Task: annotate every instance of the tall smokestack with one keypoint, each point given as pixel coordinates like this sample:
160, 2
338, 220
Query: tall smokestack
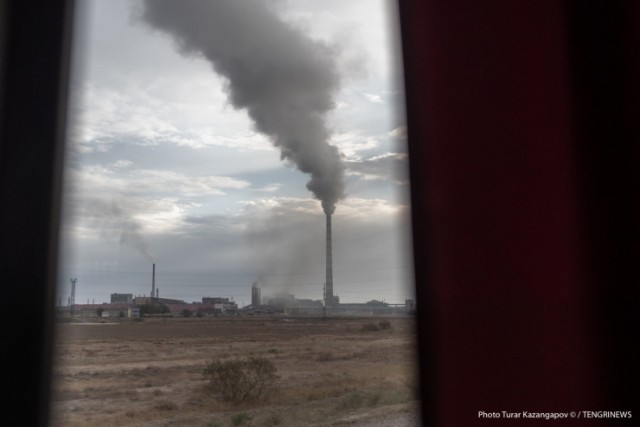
328, 293
153, 282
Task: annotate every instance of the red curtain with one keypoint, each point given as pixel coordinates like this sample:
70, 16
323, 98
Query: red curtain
523, 133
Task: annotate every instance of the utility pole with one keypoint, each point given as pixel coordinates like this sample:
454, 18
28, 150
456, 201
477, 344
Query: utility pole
73, 295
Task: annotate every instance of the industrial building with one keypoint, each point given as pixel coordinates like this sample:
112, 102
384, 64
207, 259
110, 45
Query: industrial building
121, 298
223, 304
148, 300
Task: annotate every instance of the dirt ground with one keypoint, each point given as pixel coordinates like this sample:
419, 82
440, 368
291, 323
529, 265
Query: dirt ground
150, 373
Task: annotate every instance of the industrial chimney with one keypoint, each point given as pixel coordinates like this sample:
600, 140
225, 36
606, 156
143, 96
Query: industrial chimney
153, 282
256, 301
328, 291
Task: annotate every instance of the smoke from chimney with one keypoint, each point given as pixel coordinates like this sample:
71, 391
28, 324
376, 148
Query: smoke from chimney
114, 219
285, 80
131, 236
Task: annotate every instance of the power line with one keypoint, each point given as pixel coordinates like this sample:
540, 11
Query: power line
253, 275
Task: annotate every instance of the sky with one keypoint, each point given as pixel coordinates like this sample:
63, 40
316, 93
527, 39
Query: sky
169, 161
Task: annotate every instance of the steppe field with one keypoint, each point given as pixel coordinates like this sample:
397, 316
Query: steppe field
335, 372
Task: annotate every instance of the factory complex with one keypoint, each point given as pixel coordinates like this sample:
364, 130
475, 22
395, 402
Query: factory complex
130, 306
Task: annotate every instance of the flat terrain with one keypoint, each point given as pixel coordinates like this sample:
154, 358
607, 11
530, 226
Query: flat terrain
150, 373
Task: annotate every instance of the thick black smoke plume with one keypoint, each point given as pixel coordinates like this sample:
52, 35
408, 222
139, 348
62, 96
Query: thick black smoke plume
284, 79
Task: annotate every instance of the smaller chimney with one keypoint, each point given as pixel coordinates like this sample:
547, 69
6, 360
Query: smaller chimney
153, 281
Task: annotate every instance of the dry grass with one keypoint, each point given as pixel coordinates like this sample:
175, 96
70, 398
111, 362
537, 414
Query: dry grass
150, 373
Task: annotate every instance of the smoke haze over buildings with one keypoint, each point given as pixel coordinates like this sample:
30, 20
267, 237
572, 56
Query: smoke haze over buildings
112, 220
285, 80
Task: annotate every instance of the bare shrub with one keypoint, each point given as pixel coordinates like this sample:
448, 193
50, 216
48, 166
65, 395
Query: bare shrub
356, 400
351, 401
272, 420
374, 399
240, 419
241, 379
325, 357
384, 324
166, 405
370, 327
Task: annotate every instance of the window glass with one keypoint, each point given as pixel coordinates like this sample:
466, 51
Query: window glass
236, 192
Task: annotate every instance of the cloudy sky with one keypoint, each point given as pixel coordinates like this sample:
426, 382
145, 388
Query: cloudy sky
168, 161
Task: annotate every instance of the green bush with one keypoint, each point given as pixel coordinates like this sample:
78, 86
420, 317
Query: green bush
241, 379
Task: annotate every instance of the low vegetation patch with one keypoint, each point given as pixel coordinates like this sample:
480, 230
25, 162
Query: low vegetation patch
370, 327
356, 400
240, 379
240, 419
272, 420
384, 324
166, 405
325, 357
379, 326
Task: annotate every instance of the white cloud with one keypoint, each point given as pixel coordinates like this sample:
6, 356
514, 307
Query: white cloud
135, 112
122, 164
399, 133
108, 217
149, 182
351, 143
107, 201
349, 209
376, 99
271, 188
386, 167
207, 136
